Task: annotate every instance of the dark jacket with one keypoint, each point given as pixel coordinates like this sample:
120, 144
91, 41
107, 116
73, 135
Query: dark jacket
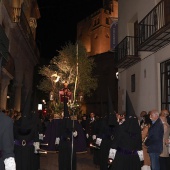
25, 134
154, 142
91, 127
6, 139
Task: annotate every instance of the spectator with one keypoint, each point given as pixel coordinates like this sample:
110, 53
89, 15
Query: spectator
164, 156
84, 122
154, 142
7, 161
11, 114
90, 130
17, 116
168, 119
142, 117
146, 125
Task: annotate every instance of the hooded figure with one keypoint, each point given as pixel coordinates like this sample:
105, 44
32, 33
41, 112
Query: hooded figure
108, 123
52, 130
67, 152
133, 127
112, 114
80, 139
99, 126
125, 152
26, 142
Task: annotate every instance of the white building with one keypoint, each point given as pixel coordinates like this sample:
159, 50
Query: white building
143, 54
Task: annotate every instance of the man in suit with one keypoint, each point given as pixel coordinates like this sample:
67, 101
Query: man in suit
90, 130
154, 142
7, 161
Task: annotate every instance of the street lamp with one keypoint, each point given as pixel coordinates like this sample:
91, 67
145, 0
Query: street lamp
56, 76
52, 96
54, 79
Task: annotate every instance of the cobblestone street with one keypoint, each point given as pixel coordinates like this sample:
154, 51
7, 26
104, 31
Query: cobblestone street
84, 161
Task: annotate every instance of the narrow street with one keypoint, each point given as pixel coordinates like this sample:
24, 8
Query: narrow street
84, 162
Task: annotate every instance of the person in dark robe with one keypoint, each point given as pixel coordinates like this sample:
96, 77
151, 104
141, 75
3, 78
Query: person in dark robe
126, 151
96, 149
50, 134
7, 160
80, 139
106, 136
126, 144
65, 140
107, 130
26, 142
40, 130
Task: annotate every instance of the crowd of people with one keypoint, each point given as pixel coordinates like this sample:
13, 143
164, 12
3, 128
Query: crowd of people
124, 141
117, 141
19, 144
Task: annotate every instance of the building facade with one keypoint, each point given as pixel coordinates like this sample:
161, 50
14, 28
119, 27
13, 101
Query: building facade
95, 30
143, 54
19, 53
98, 33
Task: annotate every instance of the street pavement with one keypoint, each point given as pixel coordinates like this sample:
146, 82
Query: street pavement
49, 161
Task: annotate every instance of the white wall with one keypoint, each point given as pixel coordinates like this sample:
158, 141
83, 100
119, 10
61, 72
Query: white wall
147, 95
130, 10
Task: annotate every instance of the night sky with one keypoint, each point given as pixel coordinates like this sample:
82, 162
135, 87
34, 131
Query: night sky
58, 22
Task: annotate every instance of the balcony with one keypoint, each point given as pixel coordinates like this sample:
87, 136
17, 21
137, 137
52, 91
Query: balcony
27, 33
17, 16
126, 52
154, 29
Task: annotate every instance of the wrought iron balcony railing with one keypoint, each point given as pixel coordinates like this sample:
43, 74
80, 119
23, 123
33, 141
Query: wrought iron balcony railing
25, 28
17, 16
154, 29
126, 52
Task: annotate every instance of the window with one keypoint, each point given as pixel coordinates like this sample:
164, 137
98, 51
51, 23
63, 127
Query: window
133, 83
107, 21
165, 85
96, 22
